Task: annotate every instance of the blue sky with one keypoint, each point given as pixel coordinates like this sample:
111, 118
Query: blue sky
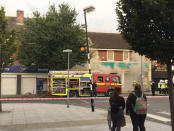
103, 19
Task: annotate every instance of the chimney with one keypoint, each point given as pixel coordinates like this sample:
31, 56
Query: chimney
20, 17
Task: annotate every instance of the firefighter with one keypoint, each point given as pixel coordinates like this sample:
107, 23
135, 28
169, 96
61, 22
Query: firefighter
159, 87
163, 86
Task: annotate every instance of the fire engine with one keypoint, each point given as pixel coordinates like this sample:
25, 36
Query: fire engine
79, 83
106, 83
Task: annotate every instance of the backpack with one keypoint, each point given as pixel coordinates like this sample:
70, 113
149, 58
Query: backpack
140, 105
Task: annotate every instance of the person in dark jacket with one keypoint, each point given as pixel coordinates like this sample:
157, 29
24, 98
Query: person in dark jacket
117, 104
137, 119
153, 88
94, 86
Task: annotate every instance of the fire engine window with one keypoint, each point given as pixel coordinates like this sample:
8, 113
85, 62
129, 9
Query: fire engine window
100, 78
115, 79
107, 79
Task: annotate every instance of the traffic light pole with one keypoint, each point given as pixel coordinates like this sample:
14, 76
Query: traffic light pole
89, 66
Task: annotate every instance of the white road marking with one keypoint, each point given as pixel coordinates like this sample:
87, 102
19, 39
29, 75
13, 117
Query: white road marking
158, 117
166, 113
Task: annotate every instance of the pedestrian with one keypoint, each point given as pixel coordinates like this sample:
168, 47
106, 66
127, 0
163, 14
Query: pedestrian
153, 88
117, 104
136, 107
159, 87
163, 86
94, 86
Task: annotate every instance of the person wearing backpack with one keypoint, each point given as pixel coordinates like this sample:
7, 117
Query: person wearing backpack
117, 105
136, 107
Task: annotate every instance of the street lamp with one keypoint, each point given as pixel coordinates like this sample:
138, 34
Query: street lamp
68, 51
87, 10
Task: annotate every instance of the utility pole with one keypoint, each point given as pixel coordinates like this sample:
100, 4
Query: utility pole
87, 10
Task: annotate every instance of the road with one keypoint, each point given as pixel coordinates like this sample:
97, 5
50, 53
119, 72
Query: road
158, 107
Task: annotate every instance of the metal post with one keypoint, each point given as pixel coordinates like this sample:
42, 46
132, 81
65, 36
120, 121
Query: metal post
0, 75
89, 66
68, 83
68, 51
141, 75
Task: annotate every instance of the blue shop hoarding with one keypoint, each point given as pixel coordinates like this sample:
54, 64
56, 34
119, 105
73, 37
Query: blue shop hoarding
24, 69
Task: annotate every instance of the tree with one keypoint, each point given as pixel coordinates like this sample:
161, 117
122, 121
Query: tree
46, 36
148, 25
7, 45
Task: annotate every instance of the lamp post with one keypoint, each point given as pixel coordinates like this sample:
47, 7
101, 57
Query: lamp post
0, 75
68, 51
141, 76
87, 10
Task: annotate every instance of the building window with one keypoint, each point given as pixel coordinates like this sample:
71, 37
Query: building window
126, 55
118, 55
130, 55
102, 55
110, 55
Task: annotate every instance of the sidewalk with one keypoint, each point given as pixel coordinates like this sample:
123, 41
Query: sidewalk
57, 117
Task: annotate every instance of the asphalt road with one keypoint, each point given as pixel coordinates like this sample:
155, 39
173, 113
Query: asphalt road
158, 107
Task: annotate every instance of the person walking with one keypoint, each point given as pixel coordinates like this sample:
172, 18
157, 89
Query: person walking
117, 104
136, 107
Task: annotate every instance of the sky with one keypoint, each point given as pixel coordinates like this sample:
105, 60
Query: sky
103, 19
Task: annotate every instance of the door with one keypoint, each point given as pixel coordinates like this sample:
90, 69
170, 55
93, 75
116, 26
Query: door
39, 85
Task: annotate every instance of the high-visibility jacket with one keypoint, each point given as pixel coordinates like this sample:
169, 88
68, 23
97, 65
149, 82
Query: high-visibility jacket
163, 86
159, 85
166, 87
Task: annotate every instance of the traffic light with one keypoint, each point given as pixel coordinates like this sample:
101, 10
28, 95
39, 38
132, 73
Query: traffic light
82, 49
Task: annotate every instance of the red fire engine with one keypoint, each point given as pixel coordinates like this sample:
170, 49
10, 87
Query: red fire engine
79, 83
106, 83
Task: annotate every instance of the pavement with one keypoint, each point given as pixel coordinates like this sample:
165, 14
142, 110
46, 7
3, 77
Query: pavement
57, 117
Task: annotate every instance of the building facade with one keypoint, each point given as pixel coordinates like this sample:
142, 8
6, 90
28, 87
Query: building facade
112, 54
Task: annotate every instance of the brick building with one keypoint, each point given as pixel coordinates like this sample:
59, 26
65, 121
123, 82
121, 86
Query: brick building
112, 54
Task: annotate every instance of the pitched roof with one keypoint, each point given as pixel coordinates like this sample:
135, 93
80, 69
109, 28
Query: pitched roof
108, 41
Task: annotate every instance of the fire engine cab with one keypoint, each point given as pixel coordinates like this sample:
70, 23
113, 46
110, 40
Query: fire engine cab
106, 83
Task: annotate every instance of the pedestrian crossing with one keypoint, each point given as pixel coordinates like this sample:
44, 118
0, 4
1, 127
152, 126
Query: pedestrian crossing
160, 116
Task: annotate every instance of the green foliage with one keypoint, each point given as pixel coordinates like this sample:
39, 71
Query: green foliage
7, 41
148, 25
46, 36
